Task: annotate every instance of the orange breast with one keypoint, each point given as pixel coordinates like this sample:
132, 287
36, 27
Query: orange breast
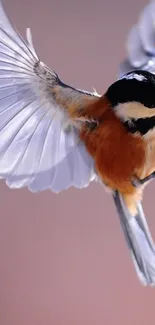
118, 155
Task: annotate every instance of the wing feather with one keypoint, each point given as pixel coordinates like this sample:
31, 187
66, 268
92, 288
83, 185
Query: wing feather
35, 149
140, 43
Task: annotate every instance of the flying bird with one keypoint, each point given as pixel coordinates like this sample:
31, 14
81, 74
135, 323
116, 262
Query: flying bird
54, 136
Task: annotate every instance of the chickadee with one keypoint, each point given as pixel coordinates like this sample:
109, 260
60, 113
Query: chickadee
53, 136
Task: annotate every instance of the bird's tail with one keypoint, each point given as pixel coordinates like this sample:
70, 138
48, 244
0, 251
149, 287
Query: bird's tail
139, 240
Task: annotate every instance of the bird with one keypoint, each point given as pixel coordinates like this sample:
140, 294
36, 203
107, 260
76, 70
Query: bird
54, 136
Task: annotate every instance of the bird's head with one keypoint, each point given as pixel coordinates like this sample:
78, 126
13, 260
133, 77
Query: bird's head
133, 99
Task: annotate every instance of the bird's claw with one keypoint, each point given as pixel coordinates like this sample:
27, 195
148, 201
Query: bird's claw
139, 182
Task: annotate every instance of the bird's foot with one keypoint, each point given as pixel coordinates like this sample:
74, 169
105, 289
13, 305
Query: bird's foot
139, 182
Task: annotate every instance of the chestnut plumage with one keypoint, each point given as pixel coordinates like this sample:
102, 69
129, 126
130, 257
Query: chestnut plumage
53, 136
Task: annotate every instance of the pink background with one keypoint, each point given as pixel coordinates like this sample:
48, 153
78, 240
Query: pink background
63, 258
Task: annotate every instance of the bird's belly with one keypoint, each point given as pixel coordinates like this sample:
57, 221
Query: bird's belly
119, 156
150, 154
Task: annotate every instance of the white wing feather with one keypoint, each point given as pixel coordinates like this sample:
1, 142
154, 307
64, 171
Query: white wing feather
35, 151
140, 43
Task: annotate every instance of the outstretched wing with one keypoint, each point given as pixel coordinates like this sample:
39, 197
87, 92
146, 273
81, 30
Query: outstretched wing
35, 149
140, 43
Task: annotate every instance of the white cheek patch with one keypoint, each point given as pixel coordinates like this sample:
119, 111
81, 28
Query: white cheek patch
135, 110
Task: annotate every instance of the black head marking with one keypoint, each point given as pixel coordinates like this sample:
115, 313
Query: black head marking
141, 125
135, 86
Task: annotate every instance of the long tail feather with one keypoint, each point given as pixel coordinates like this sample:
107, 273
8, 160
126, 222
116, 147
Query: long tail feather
139, 240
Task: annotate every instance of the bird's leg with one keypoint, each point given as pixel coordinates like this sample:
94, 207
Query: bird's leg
138, 182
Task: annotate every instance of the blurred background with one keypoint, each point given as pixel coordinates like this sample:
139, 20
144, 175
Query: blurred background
63, 258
